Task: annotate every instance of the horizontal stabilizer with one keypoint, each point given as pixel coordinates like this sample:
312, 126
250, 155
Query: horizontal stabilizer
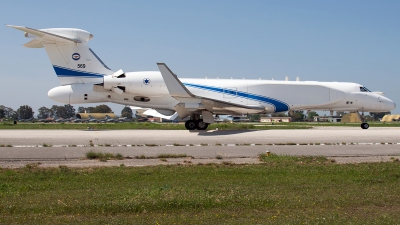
44, 36
34, 44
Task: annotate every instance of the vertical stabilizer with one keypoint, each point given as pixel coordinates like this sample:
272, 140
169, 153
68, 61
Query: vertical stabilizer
69, 52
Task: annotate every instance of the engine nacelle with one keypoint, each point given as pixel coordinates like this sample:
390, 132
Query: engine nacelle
141, 84
111, 82
76, 94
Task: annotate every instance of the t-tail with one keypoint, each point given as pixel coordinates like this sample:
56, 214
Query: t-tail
69, 52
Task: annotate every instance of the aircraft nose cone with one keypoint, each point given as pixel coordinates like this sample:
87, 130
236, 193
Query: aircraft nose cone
60, 94
390, 105
387, 104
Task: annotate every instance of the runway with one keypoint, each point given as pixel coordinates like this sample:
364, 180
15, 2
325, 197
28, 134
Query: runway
68, 147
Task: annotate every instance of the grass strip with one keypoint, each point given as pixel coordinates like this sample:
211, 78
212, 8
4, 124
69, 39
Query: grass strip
103, 156
283, 190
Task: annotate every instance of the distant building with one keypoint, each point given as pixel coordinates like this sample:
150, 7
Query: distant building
154, 119
275, 119
238, 118
332, 119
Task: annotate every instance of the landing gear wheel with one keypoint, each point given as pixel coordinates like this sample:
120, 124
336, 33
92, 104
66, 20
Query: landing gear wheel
190, 125
200, 125
364, 125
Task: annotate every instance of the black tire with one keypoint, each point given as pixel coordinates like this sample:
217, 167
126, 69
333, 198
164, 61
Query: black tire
190, 125
200, 125
364, 125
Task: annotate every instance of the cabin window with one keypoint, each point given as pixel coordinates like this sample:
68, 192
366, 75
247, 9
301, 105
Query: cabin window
364, 89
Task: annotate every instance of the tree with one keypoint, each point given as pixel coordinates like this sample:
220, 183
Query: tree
8, 112
101, 109
69, 111
311, 114
298, 116
44, 112
127, 112
2, 113
54, 111
65, 111
13, 115
25, 112
81, 109
255, 118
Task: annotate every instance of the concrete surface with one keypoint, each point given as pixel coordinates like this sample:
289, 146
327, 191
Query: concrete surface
68, 147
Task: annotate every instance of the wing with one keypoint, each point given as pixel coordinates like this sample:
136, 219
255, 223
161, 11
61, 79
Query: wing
190, 102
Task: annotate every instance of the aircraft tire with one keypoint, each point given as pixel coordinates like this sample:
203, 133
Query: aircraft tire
190, 125
200, 125
364, 125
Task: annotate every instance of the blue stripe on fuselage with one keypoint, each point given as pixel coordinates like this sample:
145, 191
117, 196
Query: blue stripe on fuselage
279, 105
66, 72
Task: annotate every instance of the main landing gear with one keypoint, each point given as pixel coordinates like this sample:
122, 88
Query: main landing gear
196, 124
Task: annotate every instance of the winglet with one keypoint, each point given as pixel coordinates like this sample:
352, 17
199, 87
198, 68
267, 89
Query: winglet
174, 85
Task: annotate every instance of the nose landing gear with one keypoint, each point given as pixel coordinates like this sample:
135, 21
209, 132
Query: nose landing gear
364, 124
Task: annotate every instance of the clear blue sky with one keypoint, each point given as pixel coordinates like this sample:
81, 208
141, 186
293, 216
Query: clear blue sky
355, 41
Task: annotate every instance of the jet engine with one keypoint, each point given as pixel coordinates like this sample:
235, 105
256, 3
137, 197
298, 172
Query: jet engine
115, 83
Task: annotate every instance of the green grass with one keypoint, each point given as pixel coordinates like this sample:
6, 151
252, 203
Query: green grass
46, 145
283, 190
2, 145
151, 145
168, 155
177, 144
103, 156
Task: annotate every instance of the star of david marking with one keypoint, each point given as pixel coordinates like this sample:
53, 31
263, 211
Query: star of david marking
146, 81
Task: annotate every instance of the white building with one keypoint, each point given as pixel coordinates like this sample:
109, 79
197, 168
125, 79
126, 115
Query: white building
275, 119
332, 119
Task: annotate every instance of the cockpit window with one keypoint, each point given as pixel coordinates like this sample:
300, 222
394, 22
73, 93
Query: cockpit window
364, 89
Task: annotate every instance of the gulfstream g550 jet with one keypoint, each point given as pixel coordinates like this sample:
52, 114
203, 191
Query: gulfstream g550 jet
86, 79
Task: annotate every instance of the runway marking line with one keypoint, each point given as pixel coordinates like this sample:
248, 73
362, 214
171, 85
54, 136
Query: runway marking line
197, 145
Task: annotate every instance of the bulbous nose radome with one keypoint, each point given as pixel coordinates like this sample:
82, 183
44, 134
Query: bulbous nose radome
60, 94
390, 105
386, 104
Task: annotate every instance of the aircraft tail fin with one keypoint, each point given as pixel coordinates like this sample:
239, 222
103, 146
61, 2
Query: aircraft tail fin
69, 52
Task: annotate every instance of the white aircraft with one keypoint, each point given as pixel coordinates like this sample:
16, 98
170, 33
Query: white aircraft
86, 79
